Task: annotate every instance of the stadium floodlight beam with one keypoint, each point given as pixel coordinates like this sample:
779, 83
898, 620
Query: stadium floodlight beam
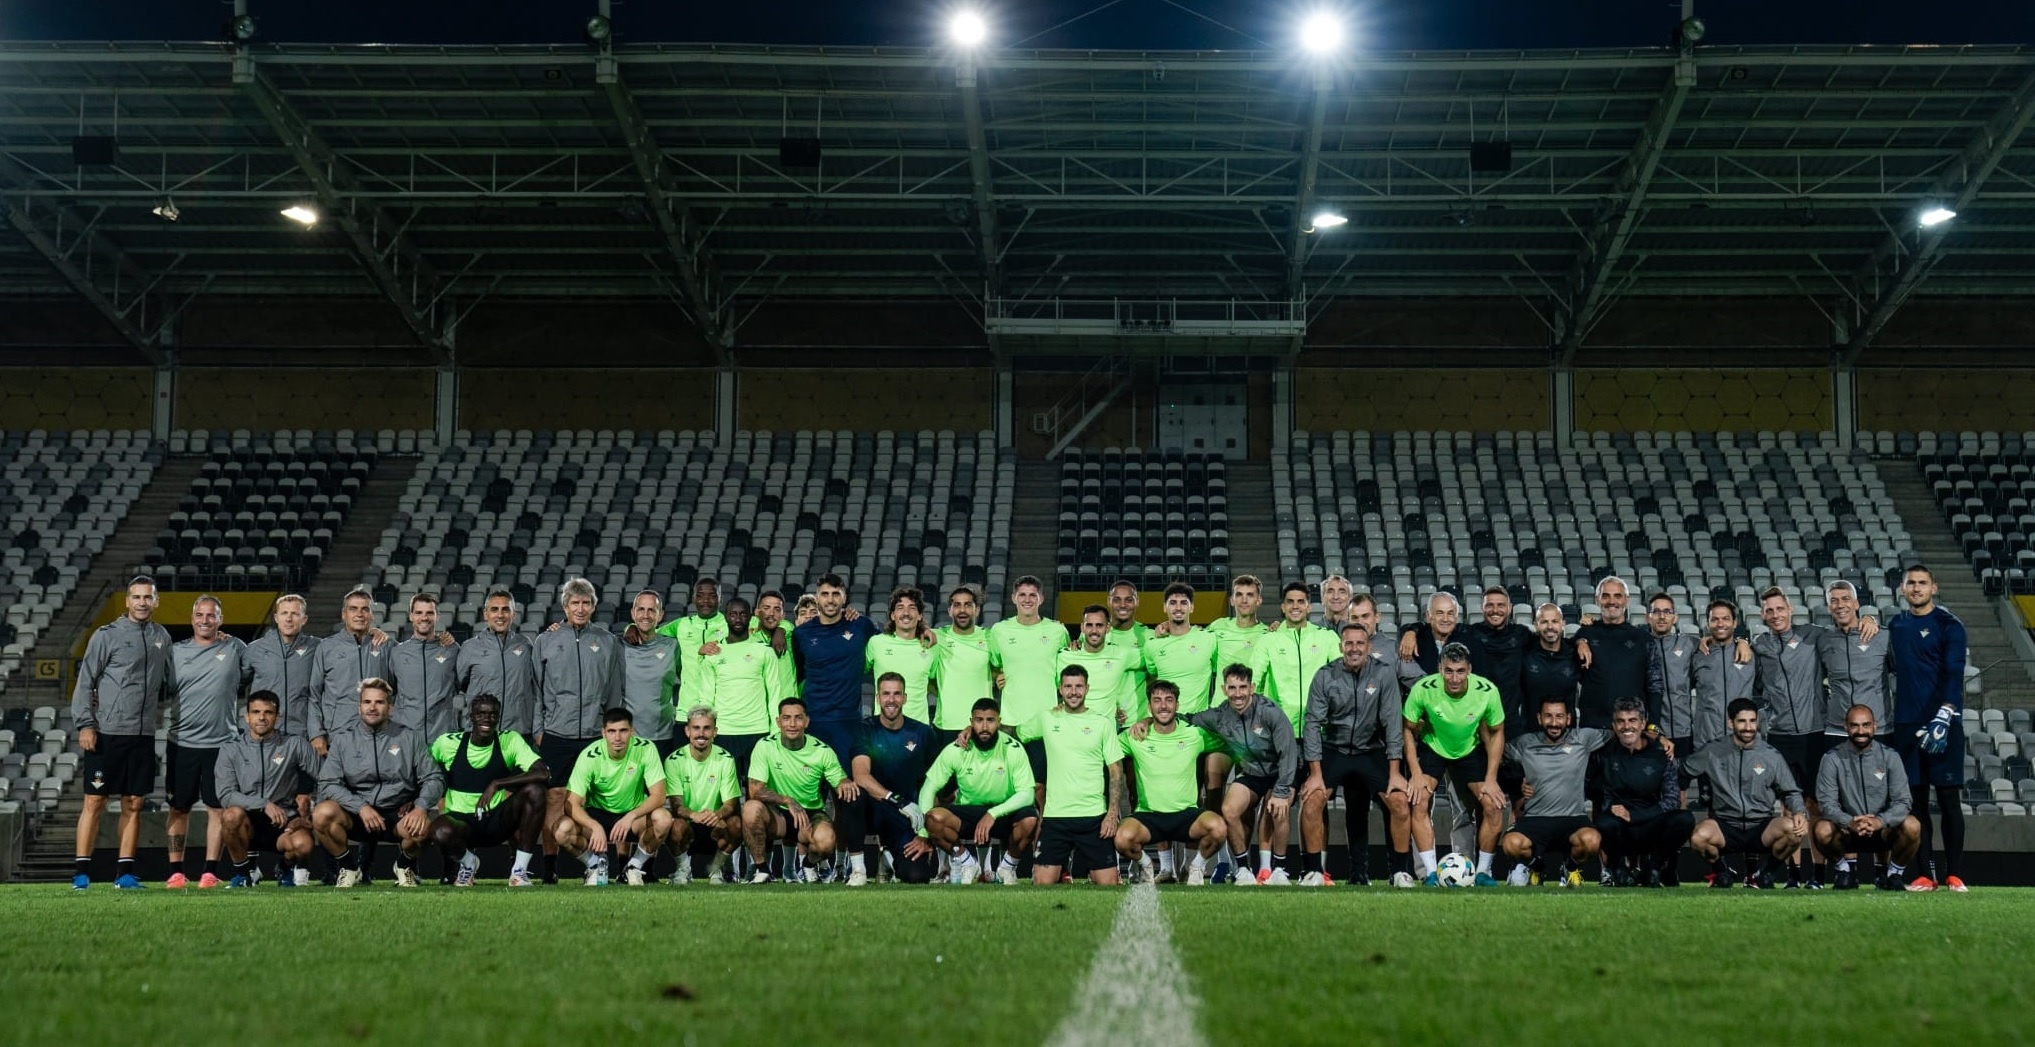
1326, 220
1321, 33
167, 210
300, 213
1936, 215
967, 28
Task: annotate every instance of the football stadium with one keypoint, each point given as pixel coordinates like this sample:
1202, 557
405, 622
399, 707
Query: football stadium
877, 519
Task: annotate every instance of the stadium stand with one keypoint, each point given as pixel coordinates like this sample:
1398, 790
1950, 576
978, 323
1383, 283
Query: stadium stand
1150, 516
641, 510
1983, 484
1696, 514
262, 514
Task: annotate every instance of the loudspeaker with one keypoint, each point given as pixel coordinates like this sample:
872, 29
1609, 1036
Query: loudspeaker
799, 152
95, 149
1490, 156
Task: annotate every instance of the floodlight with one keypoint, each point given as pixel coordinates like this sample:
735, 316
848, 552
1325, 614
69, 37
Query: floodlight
598, 29
967, 28
167, 210
1326, 220
1936, 215
1321, 33
301, 213
241, 29
1691, 31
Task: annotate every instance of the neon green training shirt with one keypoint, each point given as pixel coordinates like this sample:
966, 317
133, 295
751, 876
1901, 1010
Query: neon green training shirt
1130, 695
1186, 661
746, 686
1285, 662
1025, 654
1079, 749
795, 774
1451, 728
1234, 645
1169, 766
999, 778
615, 785
701, 785
1105, 676
908, 658
964, 675
515, 752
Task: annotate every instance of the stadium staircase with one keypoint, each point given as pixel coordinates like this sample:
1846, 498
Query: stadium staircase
1253, 541
1035, 519
2005, 682
354, 545
110, 571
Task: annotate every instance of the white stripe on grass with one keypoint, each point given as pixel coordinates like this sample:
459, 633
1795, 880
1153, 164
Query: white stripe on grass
1136, 990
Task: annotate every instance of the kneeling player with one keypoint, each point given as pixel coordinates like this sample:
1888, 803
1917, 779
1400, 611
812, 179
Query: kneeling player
494, 794
1640, 816
1167, 761
257, 778
784, 802
1862, 789
705, 793
1555, 766
616, 790
378, 783
993, 785
1745, 776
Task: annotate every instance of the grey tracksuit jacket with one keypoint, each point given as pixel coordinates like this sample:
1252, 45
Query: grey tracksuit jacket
125, 673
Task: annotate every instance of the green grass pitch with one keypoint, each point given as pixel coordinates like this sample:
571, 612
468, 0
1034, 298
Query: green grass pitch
989, 965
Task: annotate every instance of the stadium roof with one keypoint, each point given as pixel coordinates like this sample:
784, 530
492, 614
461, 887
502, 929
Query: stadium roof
451, 175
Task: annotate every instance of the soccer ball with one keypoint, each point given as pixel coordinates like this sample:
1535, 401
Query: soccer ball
1455, 871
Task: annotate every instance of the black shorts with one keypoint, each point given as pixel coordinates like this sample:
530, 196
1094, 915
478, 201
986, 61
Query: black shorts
1035, 753
1800, 753
1340, 770
1465, 771
739, 746
1743, 837
1169, 827
357, 831
124, 765
489, 828
1925, 769
1260, 785
782, 817
969, 814
265, 835
1062, 838
559, 754
1872, 843
194, 776
1549, 835
607, 820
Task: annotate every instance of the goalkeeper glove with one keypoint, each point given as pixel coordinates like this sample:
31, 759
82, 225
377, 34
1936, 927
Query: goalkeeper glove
1935, 735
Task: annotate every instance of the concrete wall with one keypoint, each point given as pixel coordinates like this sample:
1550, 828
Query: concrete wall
558, 398
76, 397
1632, 400
1942, 398
918, 398
322, 398
1391, 399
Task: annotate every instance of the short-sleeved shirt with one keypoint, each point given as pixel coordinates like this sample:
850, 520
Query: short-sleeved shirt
1105, 675
1027, 655
964, 675
907, 657
1169, 766
615, 784
1130, 696
1079, 749
517, 756
1234, 645
1452, 722
701, 785
747, 684
795, 774
1186, 661
1558, 771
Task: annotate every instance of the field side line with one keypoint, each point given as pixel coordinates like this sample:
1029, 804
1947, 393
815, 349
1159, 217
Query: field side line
1136, 990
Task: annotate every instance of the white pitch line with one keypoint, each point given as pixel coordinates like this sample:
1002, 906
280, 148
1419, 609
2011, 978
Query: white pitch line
1136, 990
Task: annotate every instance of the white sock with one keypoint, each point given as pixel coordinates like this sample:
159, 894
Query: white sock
1199, 862
715, 863
1895, 869
965, 856
1844, 865
1009, 860
641, 858
1423, 863
1265, 858
1484, 861
1166, 860
858, 862
523, 861
469, 861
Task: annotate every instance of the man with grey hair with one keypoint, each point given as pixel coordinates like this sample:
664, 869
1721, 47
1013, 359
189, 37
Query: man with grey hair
650, 671
425, 670
281, 661
210, 676
500, 661
579, 677
1336, 606
1856, 664
341, 662
1420, 645
1614, 654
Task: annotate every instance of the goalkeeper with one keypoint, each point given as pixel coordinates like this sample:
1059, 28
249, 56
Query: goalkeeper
889, 760
1929, 653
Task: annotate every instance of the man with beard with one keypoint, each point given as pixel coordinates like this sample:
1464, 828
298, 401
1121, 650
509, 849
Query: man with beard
691, 636
1716, 680
745, 679
962, 667
832, 651
1105, 664
1128, 636
259, 775
650, 671
1640, 817
1168, 762
993, 790
889, 762
784, 801
1744, 777
494, 793
1498, 649
1614, 655
1549, 670
1863, 795
425, 670
1351, 740
1555, 763
705, 792
500, 661
1084, 783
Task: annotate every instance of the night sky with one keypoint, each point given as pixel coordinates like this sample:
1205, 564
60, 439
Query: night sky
1124, 24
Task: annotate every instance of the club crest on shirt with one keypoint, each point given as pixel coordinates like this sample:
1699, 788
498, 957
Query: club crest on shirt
301, 652
277, 759
1568, 750
847, 634
518, 652
1792, 644
1373, 689
911, 746
1759, 768
1879, 775
159, 643
660, 656
441, 659
395, 750
594, 647
1925, 632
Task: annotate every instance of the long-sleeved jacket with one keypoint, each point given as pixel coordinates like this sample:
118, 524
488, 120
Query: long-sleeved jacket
1499, 655
1646, 783
286, 670
1853, 782
1717, 679
123, 677
1857, 672
1744, 783
426, 675
1791, 696
1929, 659
1284, 660
1543, 674
649, 680
504, 665
1618, 661
379, 767
1260, 740
579, 678
255, 773
1671, 684
341, 662
1353, 712
210, 680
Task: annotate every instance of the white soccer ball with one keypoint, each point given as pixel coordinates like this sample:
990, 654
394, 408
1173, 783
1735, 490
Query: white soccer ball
1455, 871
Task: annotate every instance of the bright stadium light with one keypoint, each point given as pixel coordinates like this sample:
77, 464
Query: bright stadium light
300, 213
1936, 215
1326, 220
168, 210
1321, 33
968, 29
